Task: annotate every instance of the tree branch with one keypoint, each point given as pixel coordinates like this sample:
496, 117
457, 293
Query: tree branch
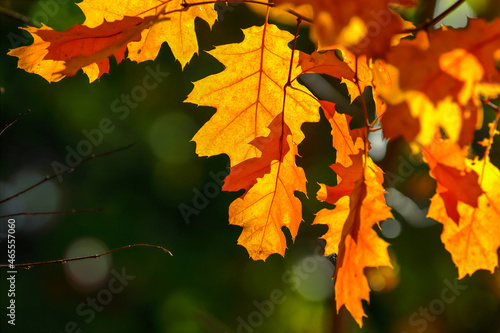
63, 261
14, 120
47, 178
17, 16
429, 23
73, 211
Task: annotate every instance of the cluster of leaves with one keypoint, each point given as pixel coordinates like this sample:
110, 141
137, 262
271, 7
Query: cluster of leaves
261, 107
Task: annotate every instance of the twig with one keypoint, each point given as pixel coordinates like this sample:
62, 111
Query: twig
17, 16
73, 211
63, 261
186, 6
429, 23
14, 120
47, 178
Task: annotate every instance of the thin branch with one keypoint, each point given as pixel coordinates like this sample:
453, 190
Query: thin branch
47, 178
63, 261
296, 35
365, 113
19, 115
186, 6
495, 108
17, 16
429, 23
73, 211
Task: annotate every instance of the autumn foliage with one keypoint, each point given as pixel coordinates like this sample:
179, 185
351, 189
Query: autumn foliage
429, 87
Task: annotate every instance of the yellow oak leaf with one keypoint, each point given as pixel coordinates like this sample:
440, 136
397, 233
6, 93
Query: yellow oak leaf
249, 94
268, 206
474, 241
178, 31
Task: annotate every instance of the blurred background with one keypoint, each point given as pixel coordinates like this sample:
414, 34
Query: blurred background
210, 284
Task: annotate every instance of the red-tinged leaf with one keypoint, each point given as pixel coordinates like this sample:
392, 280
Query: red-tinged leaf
273, 147
178, 31
358, 245
366, 27
397, 121
344, 140
473, 242
249, 94
455, 66
447, 162
80, 47
269, 206
325, 63
364, 75
348, 176
450, 61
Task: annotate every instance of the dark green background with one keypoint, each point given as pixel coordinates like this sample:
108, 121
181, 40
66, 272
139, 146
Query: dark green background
209, 282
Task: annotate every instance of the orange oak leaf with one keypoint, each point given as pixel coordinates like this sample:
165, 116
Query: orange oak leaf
364, 76
249, 94
178, 31
270, 205
344, 140
359, 204
328, 63
455, 67
451, 61
454, 182
325, 63
55, 54
273, 147
397, 121
474, 241
366, 27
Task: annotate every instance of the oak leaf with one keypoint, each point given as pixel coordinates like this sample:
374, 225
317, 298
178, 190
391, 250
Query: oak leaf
270, 205
344, 140
54, 54
359, 204
455, 67
178, 31
273, 147
474, 241
248, 95
455, 182
366, 27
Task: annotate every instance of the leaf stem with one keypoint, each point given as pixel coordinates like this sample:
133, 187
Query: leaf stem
363, 104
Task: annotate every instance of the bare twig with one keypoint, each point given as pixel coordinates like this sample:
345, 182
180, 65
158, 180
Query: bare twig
429, 23
63, 261
73, 211
14, 120
17, 16
47, 178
